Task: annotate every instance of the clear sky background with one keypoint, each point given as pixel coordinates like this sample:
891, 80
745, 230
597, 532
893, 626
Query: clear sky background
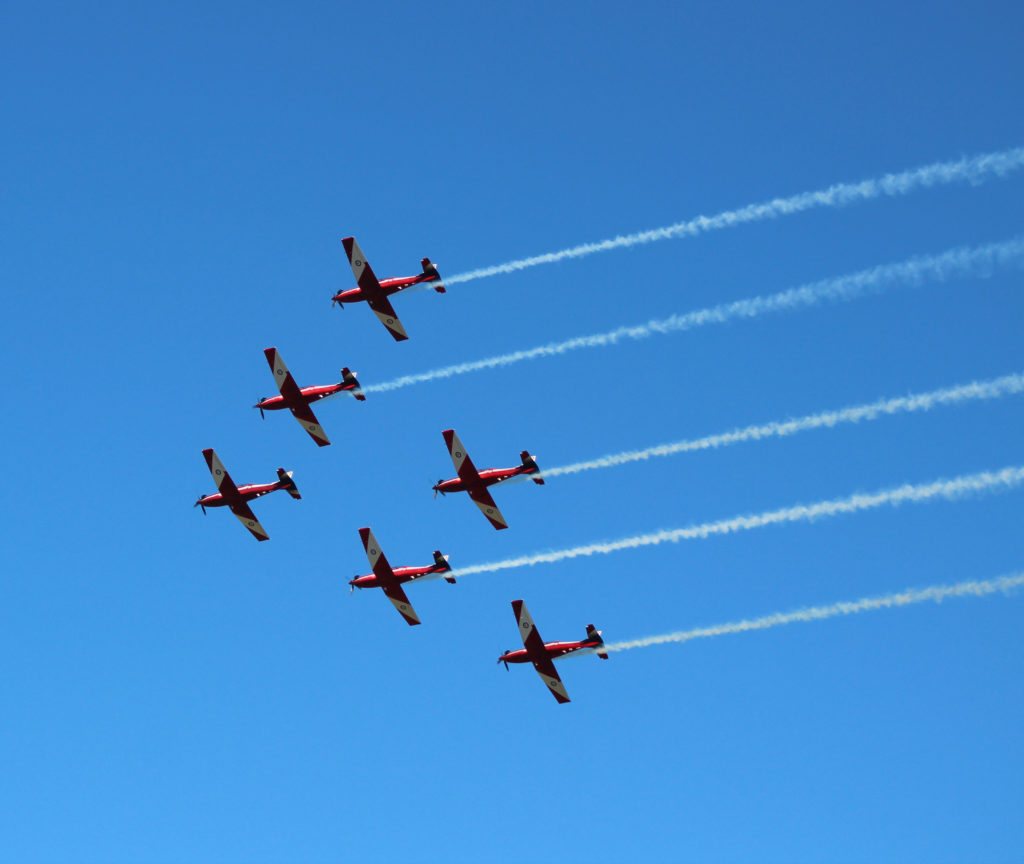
175, 183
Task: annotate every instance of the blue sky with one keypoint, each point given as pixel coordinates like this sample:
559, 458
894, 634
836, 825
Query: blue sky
176, 182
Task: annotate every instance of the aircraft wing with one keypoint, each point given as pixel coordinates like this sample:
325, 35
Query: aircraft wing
397, 596
225, 485
293, 395
383, 309
534, 644
249, 520
361, 268
482, 498
381, 568
282, 377
307, 420
549, 675
464, 466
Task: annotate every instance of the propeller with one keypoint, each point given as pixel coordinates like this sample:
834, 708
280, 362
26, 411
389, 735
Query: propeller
502, 659
260, 406
436, 490
200, 504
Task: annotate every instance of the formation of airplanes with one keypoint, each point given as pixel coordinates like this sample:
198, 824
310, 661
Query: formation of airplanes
469, 479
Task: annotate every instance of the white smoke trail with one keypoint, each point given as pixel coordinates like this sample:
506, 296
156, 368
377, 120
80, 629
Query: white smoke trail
975, 169
992, 389
934, 594
961, 261
951, 490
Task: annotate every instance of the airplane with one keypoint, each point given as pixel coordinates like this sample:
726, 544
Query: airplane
376, 293
390, 580
476, 482
236, 497
543, 654
297, 401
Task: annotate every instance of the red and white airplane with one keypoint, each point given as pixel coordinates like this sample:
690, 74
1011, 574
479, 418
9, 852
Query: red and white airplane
543, 654
475, 482
298, 400
391, 580
237, 497
376, 292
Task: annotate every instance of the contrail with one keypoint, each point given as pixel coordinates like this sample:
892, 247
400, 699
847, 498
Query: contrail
991, 389
958, 262
934, 594
951, 490
975, 169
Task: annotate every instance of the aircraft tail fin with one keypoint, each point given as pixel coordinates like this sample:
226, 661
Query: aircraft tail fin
431, 271
348, 377
441, 562
530, 464
284, 478
592, 634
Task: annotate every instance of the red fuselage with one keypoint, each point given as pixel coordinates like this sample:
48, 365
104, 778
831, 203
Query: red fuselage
402, 574
309, 395
390, 286
245, 493
552, 650
487, 478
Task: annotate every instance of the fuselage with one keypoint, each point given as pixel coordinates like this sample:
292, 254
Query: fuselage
402, 574
309, 395
487, 478
245, 493
389, 286
552, 650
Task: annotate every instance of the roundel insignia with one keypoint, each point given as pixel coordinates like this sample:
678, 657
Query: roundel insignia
280, 371
373, 551
490, 509
391, 320
403, 607
218, 472
251, 523
312, 426
358, 263
458, 454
